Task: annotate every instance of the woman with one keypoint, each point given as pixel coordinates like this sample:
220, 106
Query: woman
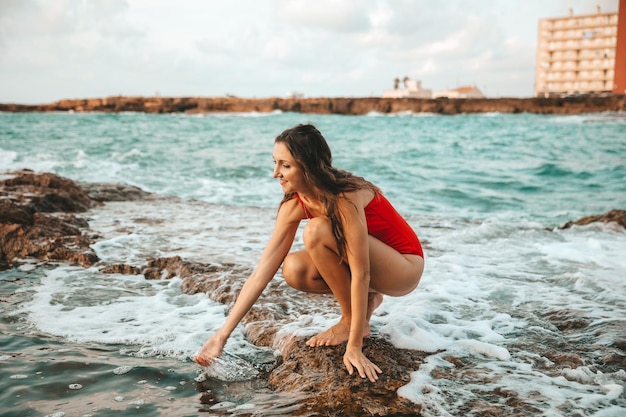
356, 246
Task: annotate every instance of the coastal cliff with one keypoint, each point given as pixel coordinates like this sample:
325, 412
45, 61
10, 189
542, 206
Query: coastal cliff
347, 106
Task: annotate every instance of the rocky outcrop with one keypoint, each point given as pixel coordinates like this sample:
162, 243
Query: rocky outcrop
38, 216
332, 391
337, 105
37, 219
614, 216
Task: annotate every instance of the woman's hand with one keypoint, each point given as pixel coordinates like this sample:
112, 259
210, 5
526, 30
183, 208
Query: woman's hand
210, 351
354, 358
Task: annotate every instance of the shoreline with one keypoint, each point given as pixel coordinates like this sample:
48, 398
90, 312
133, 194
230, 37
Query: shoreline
338, 105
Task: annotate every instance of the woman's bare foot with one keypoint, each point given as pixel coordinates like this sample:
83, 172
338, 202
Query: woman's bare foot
333, 336
340, 332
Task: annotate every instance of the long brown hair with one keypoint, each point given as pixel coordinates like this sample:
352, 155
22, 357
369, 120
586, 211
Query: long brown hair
313, 156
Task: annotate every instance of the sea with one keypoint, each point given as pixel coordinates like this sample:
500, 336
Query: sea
533, 311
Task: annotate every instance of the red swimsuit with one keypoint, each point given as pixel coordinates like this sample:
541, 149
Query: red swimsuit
387, 225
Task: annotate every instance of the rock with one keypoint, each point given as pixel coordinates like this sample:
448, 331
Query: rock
320, 372
617, 216
12, 213
121, 269
615, 359
568, 320
166, 268
45, 192
36, 219
565, 359
48, 238
102, 192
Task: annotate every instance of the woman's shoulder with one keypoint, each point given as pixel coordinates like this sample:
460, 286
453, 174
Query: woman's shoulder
291, 209
360, 198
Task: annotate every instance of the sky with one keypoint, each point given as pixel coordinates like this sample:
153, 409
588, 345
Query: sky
63, 49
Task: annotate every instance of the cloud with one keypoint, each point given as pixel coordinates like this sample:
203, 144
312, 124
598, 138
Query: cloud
69, 48
338, 16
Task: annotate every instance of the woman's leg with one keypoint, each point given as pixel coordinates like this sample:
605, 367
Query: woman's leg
318, 269
300, 273
393, 273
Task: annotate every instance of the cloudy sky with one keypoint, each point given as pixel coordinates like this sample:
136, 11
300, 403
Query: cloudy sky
55, 49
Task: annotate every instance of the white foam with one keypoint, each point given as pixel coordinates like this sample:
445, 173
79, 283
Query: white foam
121, 370
87, 306
483, 348
7, 157
480, 271
194, 230
414, 333
233, 115
480, 281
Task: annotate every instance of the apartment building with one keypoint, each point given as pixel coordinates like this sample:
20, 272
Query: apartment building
577, 54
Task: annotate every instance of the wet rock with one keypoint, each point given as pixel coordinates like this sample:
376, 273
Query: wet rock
221, 282
36, 219
102, 192
482, 396
615, 359
166, 268
620, 344
564, 359
45, 192
616, 216
320, 373
205, 278
12, 213
568, 319
121, 269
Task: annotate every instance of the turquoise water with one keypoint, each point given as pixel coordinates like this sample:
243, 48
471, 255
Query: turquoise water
484, 192
474, 166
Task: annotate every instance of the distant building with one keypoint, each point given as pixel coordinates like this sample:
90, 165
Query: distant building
294, 94
412, 89
468, 91
619, 82
577, 54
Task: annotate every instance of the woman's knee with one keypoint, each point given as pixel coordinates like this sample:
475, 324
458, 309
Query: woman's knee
318, 230
294, 271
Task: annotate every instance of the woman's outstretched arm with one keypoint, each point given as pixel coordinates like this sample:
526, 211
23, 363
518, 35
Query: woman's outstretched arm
287, 221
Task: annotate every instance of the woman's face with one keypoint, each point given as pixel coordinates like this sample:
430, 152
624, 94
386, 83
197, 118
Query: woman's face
285, 169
